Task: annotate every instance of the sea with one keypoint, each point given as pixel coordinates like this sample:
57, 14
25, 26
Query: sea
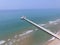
12, 25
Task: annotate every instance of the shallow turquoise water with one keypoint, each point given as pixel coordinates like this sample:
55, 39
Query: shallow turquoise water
10, 22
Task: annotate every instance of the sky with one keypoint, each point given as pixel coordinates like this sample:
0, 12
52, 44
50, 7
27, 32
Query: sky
28, 4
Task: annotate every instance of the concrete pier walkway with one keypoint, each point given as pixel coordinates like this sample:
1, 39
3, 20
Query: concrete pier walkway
40, 27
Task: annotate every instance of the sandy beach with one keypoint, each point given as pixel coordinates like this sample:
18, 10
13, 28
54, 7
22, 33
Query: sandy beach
53, 41
54, 25
26, 37
21, 39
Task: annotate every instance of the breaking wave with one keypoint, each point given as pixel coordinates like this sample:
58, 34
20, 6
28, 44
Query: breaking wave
25, 34
16, 38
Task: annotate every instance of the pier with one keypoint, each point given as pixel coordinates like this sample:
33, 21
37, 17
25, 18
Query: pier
40, 27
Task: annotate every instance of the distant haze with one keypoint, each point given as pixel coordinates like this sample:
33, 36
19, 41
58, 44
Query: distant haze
28, 4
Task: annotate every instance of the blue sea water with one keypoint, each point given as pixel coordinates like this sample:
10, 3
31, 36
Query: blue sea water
10, 22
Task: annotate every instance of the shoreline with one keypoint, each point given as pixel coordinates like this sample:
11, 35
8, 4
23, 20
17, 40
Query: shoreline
49, 23
23, 38
53, 40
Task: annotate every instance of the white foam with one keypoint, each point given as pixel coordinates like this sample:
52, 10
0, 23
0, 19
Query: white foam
58, 20
13, 40
36, 29
2, 41
54, 37
27, 32
8, 39
15, 36
54, 22
42, 24
51, 22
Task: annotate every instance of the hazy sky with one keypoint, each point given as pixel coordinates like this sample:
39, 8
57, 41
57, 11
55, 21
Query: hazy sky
29, 4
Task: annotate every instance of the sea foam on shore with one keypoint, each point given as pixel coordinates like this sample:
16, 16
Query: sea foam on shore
16, 38
24, 35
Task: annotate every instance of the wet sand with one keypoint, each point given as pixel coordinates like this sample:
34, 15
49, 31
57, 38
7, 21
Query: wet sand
26, 38
25, 41
21, 39
54, 27
53, 41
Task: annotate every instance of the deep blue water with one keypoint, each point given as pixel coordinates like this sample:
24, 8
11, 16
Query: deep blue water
10, 21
